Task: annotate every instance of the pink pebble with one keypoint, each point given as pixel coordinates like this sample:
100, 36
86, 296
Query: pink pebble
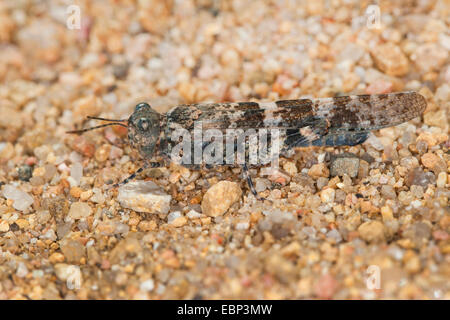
440, 235
31, 161
325, 287
379, 87
115, 153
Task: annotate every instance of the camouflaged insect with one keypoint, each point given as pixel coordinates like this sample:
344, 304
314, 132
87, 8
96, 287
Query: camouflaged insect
338, 121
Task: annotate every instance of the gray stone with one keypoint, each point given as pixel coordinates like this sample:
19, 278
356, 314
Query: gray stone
25, 173
346, 163
418, 177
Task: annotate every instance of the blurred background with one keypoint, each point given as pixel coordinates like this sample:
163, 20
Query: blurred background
63, 60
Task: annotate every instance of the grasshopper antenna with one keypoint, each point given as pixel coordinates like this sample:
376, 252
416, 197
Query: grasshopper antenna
114, 122
104, 119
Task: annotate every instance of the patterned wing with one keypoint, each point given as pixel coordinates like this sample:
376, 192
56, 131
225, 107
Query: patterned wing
350, 118
335, 121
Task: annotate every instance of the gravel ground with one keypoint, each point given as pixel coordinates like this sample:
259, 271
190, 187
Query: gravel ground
338, 215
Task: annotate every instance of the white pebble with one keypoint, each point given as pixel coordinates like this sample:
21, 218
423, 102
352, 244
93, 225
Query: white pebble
22, 200
243, 225
335, 235
79, 210
327, 195
416, 203
69, 273
173, 215
144, 196
22, 270
147, 285
193, 214
76, 172
50, 234
98, 196
441, 180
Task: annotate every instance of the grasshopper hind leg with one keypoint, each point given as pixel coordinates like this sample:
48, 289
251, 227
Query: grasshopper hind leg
134, 174
250, 184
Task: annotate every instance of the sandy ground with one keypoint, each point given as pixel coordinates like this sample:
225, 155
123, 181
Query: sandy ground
371, 224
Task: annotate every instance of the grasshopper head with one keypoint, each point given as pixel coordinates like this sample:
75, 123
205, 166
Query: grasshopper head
144, 129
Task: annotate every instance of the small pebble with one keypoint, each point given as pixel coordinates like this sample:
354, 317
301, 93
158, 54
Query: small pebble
429, 57
319, 170
441, 180
144, 196
85, 195
71, 274
345, 164
102, 153
372, 231
76, 172
327, 195
79, 210
173, 215
72, 250
22, 200
4, 226
434, 163
147, 285
390, 59
179, 222
387, 213
219, 198
22, 270
418, 233
334, 235
262, 184
388, 191
25, 173
418, 177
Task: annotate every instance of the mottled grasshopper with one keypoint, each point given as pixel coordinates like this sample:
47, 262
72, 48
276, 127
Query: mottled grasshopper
338, 121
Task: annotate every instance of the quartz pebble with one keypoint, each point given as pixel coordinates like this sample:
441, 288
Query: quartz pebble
418, 177
179, 222
261, 184
219, 198
334, 235
147, 285
71, 274
79, 210
441, 180
437, 118
22, 270
144, 196
327, 195
76, 173
22, 200
98, 196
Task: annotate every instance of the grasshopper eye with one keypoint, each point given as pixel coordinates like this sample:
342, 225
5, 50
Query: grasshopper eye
143, 124
141, 105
